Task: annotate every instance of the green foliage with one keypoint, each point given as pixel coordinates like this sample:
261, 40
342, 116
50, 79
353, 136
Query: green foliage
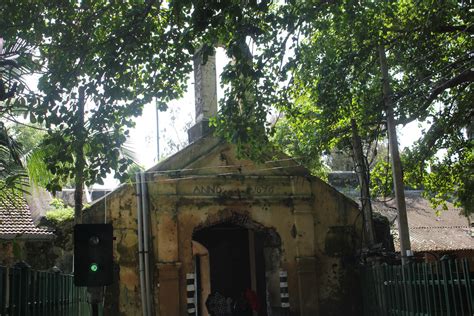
59, 212
381, 180
12, 173
60, 215
449, 178
37, 169
28, 136
131, 172
57, 203
15, 63
296, 141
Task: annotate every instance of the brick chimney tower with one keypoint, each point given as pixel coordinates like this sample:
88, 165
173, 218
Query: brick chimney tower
205, 94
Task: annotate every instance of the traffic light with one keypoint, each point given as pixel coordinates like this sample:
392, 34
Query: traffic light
93, 254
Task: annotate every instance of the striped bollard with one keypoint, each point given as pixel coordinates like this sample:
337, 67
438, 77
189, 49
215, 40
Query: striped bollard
191, 291
284, 296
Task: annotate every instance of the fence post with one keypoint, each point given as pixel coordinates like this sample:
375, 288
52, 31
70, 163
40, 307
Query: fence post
26, 292
365, 281
22, 301
57, 290
446, 285
468, 283
3, 290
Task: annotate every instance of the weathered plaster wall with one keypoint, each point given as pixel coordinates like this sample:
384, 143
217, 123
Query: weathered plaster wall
338, 227
120, 209
44, 255
39, 255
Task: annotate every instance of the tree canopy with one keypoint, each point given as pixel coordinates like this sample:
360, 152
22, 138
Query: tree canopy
119, 56
316, 62
101, 62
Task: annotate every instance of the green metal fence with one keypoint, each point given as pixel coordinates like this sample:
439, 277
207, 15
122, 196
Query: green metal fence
25, 292
439, 288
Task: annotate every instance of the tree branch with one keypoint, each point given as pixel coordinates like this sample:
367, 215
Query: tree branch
465, 76
454, 28
469, 29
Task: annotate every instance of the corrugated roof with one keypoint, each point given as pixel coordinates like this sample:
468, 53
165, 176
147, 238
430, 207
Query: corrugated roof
16, 221
428, 231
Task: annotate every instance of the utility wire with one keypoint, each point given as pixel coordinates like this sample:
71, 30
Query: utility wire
226, 166
193, 177
432, 85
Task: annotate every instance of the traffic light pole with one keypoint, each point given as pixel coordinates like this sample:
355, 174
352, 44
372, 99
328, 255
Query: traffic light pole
95, 298
95, 309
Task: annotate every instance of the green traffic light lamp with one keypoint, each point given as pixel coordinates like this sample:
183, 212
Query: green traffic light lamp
94, 267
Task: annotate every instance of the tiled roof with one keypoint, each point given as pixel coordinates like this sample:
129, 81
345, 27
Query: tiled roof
436, 239
428, 231
16, 221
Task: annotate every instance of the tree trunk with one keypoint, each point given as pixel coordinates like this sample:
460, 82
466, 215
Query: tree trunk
80, 159
405, 247
363, 176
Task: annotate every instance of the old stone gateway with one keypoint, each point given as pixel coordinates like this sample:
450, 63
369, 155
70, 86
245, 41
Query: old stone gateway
269, 236
243, 255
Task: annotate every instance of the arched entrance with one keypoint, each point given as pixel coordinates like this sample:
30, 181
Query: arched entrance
243, 260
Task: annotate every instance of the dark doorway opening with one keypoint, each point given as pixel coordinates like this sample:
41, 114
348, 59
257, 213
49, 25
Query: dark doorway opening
237, 263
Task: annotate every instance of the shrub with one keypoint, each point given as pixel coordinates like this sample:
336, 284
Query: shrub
59, 212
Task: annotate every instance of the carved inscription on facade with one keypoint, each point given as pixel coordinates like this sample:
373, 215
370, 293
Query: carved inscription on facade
217, 189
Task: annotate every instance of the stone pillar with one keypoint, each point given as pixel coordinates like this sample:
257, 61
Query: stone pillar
205, 274
308, 286
272, 276
205, 94
169, 294
169, 267
205, 86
